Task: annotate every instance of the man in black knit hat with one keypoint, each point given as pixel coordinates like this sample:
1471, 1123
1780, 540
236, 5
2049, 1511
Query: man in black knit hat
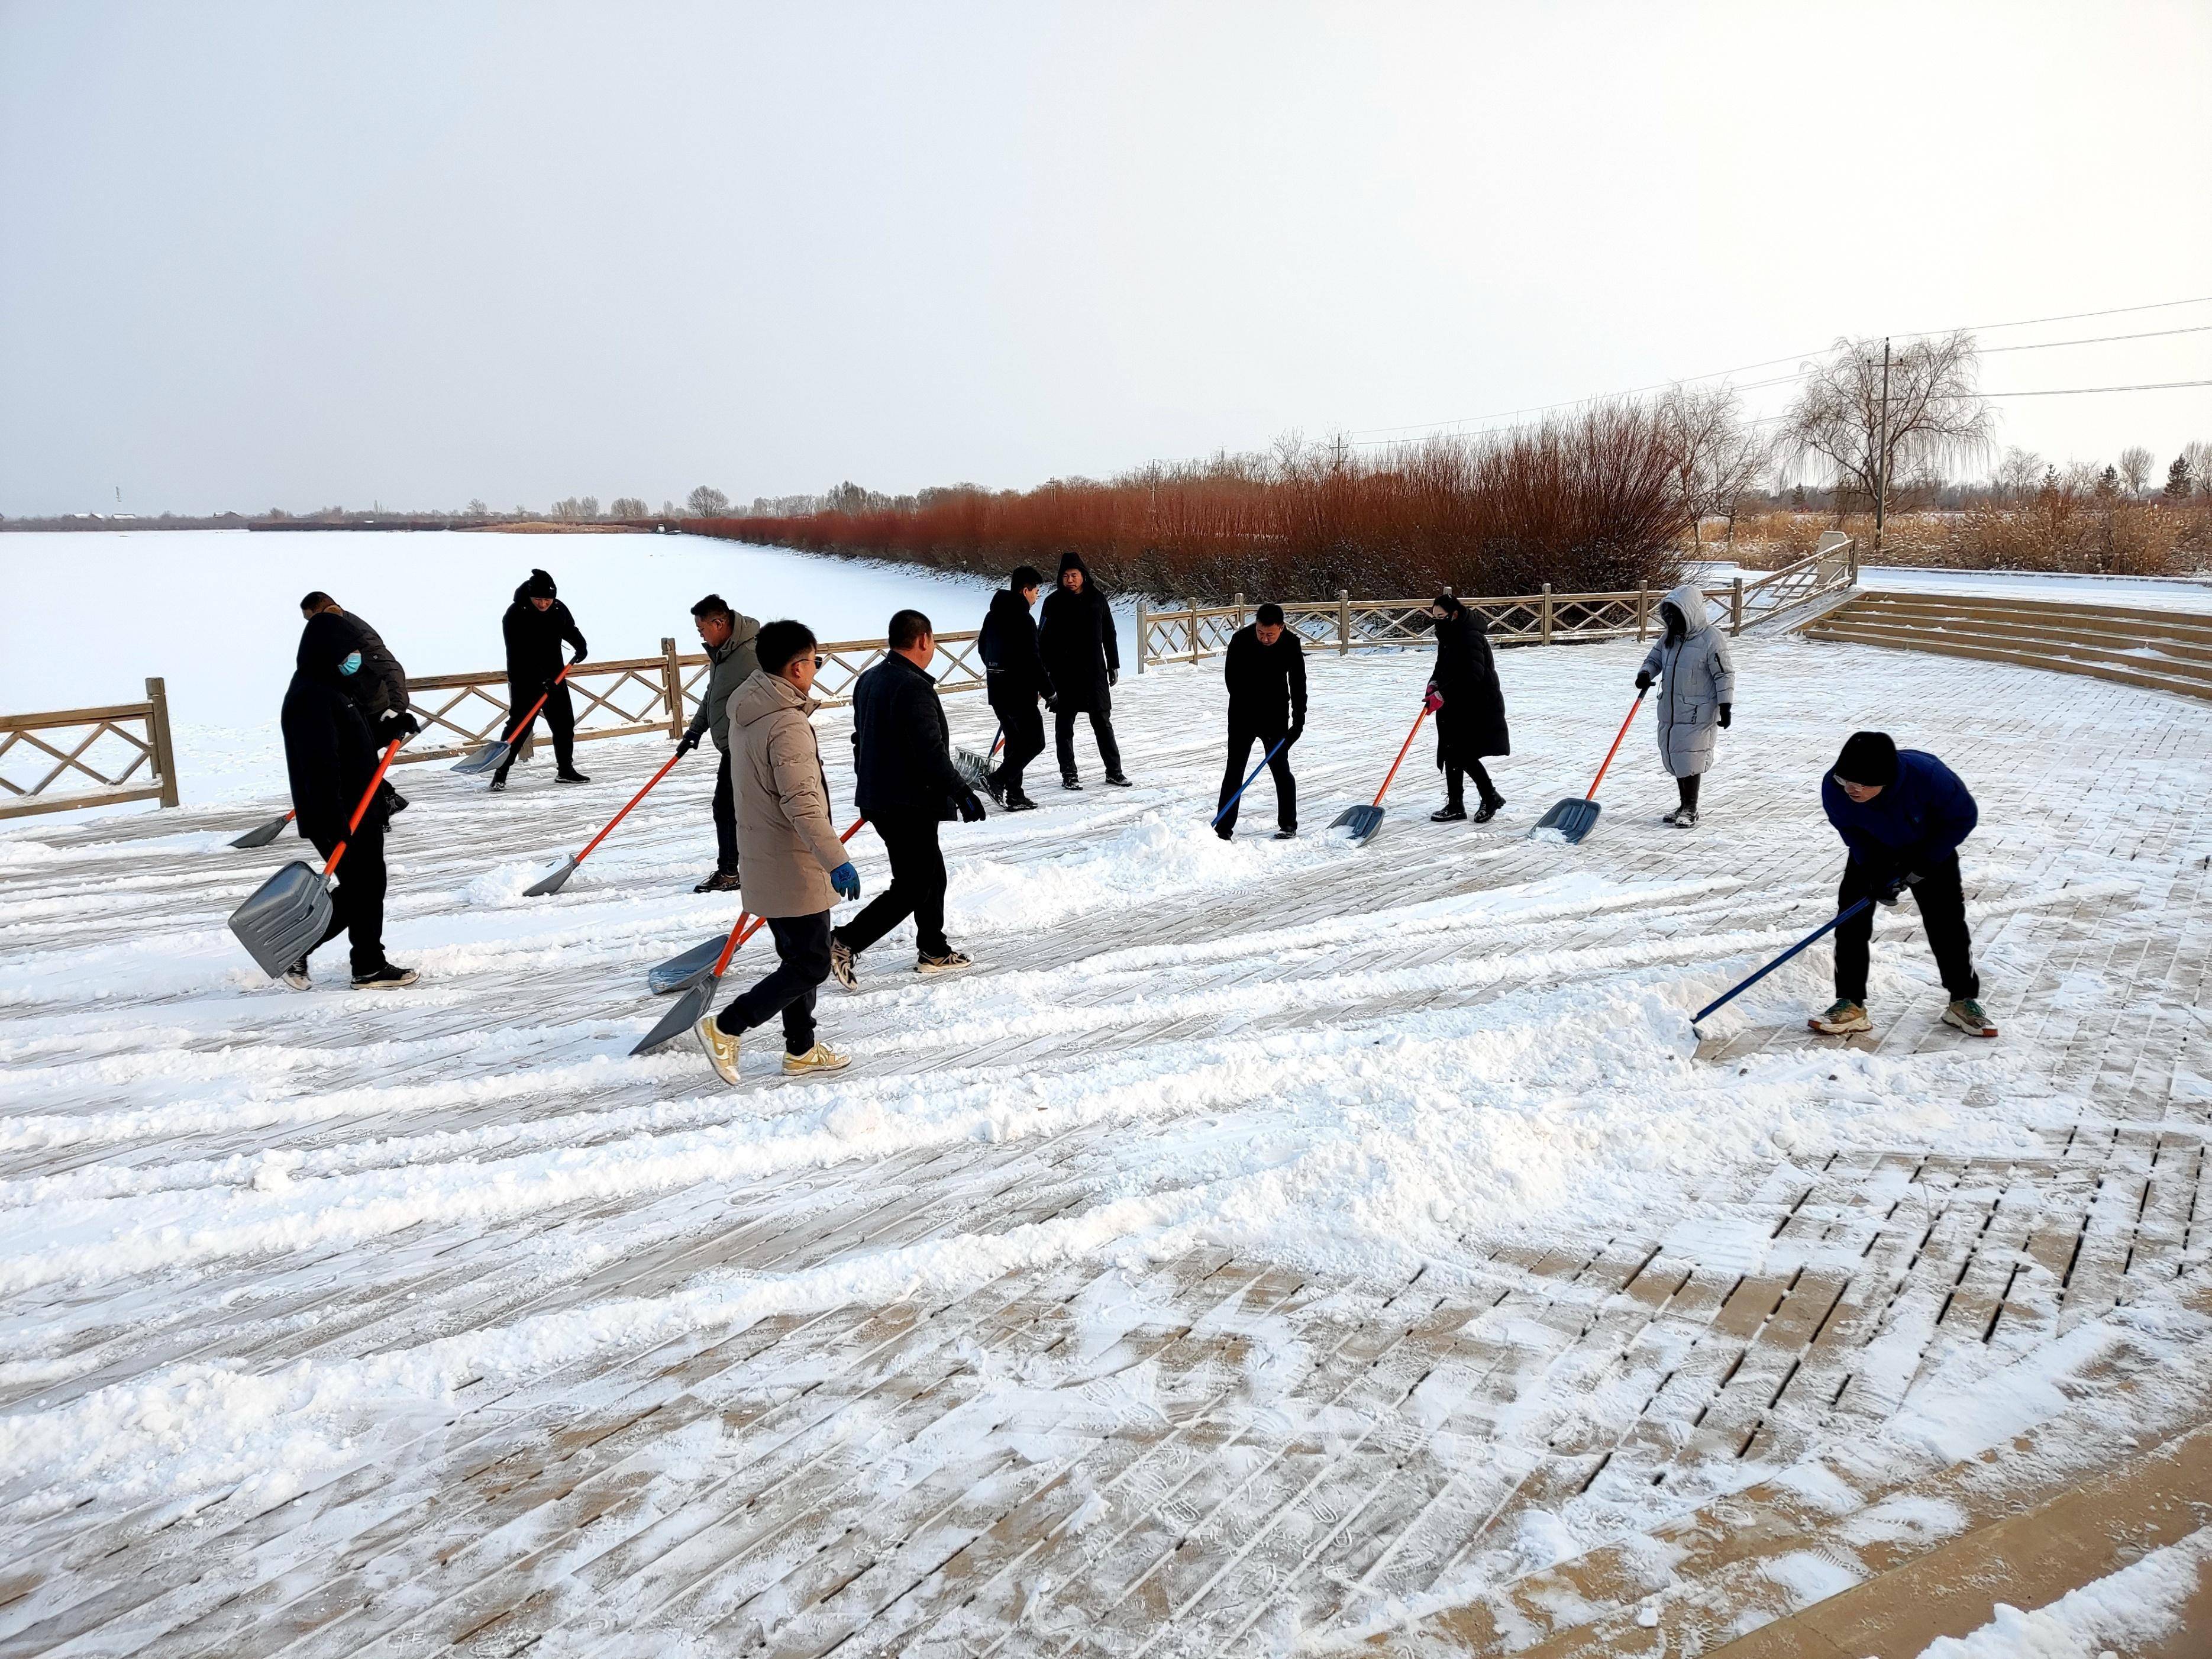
535, 625
1903, 814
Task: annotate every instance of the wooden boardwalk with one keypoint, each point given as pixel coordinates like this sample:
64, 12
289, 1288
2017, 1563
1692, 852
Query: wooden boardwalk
342, 1324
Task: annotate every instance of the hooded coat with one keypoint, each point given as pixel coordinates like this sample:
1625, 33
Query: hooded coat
329, 755
1471, 724
787, 845
1696, 678
731, 665
1013, 669
1075, 639
379, 685
533, 645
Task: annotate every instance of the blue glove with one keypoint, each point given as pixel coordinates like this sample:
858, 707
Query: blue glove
847, 880
971, 809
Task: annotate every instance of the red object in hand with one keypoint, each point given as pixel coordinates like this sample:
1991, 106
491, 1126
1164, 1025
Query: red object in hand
1433, 702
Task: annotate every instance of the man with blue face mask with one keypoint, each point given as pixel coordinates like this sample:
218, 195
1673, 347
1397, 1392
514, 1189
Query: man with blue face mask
372, 676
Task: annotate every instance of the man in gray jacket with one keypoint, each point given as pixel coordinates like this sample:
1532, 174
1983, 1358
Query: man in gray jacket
729, 636
795, 866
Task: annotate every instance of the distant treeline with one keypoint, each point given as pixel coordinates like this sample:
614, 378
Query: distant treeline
1594, 501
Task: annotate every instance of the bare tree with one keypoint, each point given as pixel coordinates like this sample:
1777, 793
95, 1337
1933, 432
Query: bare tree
708, 502
628, 507
2199, 457
2018, 473
1871, 409
1718, 457
2135, 464
476, 509
577, 508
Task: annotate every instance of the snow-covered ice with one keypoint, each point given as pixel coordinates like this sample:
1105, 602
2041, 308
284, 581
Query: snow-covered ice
1272, 1243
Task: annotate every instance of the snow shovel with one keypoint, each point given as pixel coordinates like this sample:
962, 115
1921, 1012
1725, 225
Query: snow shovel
680, 973
1364, 821
1836, 921
695, 1002
1255, 772
261, 835
493, 753
552, 883
1572, 816
288, 914
978, 771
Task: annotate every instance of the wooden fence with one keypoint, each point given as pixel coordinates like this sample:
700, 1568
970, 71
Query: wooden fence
1346, 625
43, 757
626, 696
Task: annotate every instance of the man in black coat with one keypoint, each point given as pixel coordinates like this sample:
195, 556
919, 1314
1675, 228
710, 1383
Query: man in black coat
535, 625
1471, 723
329, 758
1013, 680
905, 784
1265, 671
376, 681
1082, 660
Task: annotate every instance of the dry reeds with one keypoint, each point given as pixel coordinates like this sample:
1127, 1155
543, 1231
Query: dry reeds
1591, 502
2065, 525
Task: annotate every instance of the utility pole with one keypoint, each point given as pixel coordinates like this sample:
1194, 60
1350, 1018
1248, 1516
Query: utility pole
1881, 453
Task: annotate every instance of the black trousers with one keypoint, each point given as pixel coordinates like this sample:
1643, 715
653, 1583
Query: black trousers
1942, 913
559, 720
1456, 775
1102, 727
802, 962
1024, 739
357, 907
1241, 739
916, 890
726, 820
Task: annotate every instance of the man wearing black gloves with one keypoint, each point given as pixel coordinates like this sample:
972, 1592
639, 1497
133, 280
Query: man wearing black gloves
905, 784
329, 758
535, 625
375, 681
1082, 660
1903, 814
1266, 670
729, 637
1013, 680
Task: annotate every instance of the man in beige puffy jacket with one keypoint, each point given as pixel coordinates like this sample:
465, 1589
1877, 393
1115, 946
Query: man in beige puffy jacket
791, 865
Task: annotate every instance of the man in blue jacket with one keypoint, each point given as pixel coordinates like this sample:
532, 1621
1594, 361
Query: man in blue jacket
1903, 814
905, 784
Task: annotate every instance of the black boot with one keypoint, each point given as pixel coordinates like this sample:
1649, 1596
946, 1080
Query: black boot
1451, 813
1488, 810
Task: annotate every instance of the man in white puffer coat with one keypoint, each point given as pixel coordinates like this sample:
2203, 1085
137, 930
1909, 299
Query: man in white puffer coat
1697, 692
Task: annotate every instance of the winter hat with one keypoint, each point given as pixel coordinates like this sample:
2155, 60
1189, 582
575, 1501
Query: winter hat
1446, 603
1868, 757
1073, 561
539, 586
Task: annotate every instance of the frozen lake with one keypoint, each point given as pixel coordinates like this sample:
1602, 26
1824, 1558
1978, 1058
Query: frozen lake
215, 612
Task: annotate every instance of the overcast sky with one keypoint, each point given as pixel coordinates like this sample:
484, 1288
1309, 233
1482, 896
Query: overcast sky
297, 255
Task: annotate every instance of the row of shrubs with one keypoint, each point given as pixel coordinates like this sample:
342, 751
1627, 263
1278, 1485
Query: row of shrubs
2056, 528
1588, 503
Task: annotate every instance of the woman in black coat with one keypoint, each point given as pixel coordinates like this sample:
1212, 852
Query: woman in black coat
1471, 724
1082, 660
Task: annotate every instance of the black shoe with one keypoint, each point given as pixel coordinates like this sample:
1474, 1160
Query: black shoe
1118, 780
1070, 783
572, 775
499, 783
1451, 813
1488, 810
394, 802
386, 978
1020, 804
722, 881
1223, 832
1291, 834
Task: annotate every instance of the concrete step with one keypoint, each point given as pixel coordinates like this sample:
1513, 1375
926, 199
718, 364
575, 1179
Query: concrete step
2135, 620
2048, 651
1954, 647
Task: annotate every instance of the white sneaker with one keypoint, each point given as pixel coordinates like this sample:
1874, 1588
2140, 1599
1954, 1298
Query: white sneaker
952, 961
841, 964
721, 1048
295, 978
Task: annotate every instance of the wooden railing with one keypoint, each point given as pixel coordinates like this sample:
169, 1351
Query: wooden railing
1346, 625
42, 755
626, 696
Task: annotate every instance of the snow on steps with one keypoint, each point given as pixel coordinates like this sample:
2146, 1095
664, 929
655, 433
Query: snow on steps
2158, 650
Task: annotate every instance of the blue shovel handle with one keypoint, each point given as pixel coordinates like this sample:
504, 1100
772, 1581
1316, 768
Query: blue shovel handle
1834, 921
1247, 784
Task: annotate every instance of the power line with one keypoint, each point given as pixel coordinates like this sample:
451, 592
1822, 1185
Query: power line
1745, 368
2077, 391
2100, 339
